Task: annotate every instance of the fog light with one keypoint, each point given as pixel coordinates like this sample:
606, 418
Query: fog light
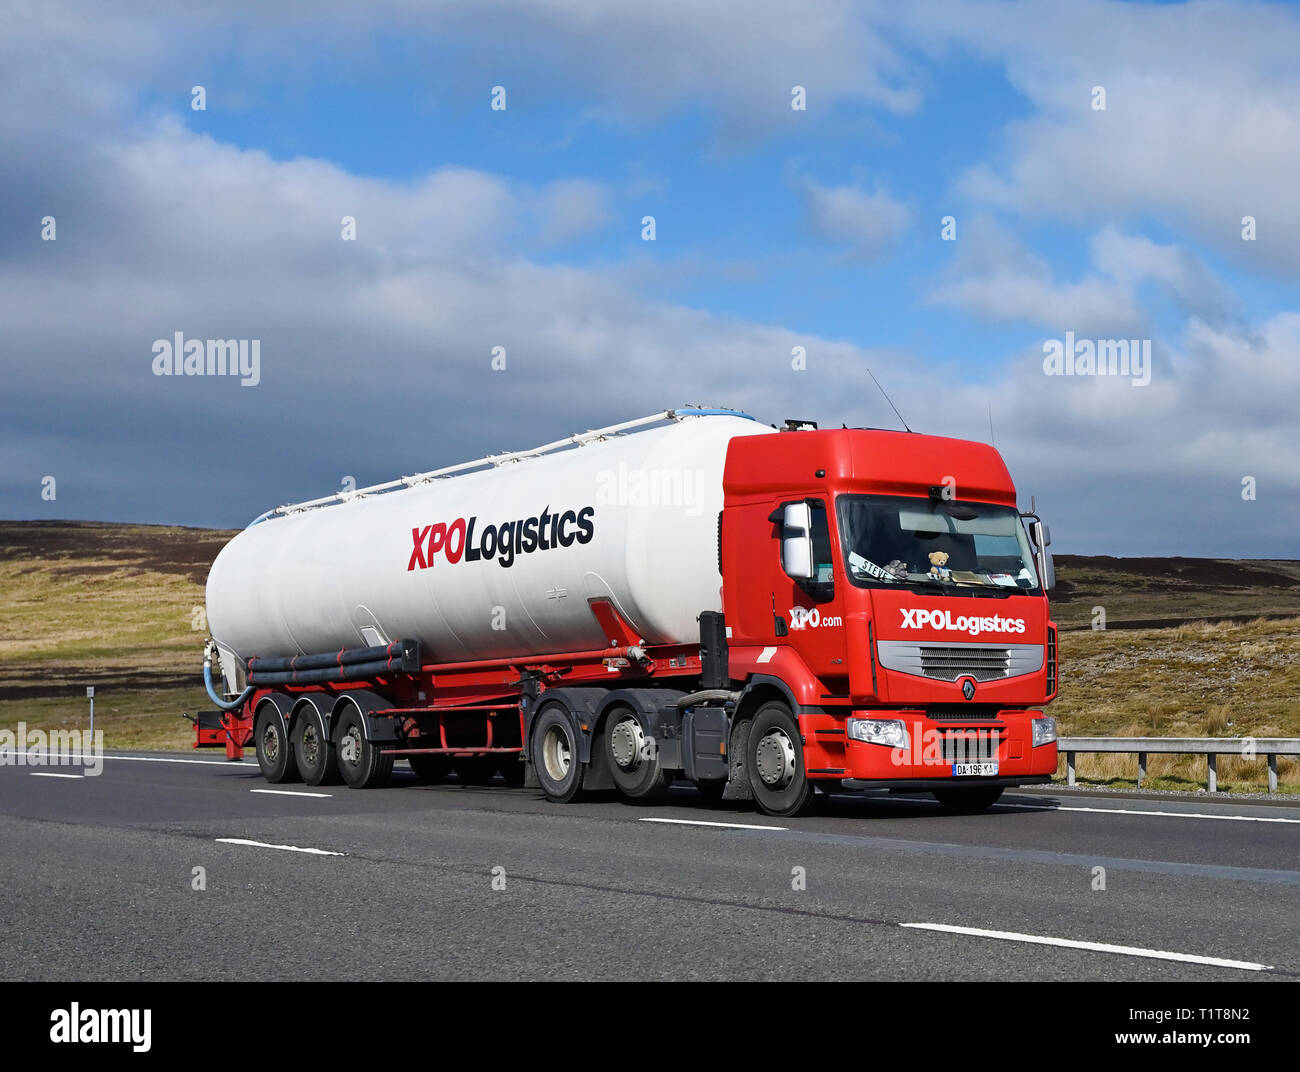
1044, 730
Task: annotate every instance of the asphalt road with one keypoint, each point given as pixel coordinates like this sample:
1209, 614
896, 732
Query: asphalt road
97, 882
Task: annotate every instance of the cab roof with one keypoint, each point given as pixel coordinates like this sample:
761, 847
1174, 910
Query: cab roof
867, 461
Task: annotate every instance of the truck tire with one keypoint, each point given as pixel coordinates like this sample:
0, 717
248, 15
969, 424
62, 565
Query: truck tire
361, 763
774, 762
560, 772
274, 753
429, 768
313, 751
968, 801
633, 763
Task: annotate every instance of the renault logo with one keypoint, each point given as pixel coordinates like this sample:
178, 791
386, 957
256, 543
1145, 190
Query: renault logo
968, 688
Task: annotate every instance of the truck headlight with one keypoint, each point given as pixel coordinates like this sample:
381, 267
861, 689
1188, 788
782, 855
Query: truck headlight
886, 731
1044, 730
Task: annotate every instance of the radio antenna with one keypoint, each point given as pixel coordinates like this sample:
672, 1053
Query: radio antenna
887, 398
992, 441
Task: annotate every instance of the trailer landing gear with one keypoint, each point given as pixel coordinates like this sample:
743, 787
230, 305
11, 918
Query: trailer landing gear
429, 768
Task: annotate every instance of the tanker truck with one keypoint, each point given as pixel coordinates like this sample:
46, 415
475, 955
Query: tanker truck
765, 613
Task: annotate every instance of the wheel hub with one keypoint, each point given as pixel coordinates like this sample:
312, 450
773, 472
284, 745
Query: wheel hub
627, 743
350, 746
310, 745
270, 744
775, 759
556, 754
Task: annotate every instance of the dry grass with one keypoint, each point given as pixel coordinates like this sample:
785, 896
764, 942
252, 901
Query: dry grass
1196, 680
144, 719
114, 606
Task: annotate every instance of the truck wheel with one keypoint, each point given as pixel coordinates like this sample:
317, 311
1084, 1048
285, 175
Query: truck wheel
774, 761
429, 768
555, 756
633, 760
274, 754
361, 763
968, 801
476, 770
313, 751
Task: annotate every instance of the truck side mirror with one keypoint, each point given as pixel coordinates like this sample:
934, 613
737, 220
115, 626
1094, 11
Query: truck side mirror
796, 541
1041, 536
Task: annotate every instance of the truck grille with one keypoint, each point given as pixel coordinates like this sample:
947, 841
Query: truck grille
949, 664
970, 746
952, 662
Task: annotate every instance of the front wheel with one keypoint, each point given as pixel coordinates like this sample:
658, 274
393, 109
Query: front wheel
968, 801
361, 762
774, 761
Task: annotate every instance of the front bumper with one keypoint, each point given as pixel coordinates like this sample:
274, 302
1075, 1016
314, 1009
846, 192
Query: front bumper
934, 746
921, 785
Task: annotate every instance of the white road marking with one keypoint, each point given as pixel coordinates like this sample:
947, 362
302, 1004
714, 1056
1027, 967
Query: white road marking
51, 774
286, 848
701, 822
1101, 811
1096, 947
290, 793
1165, 814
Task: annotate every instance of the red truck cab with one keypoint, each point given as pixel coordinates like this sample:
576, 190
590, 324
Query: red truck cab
884, 585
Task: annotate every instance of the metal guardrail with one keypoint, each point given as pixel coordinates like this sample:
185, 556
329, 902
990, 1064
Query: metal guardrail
1210, 747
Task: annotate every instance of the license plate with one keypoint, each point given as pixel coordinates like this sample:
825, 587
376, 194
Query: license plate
974, 770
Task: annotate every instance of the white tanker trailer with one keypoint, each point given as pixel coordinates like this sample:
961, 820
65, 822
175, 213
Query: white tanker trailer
692, 595
499, 561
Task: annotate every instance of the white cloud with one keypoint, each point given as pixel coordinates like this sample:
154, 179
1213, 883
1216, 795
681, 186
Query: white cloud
1132, 260
866, 223
994, 277
1202, 119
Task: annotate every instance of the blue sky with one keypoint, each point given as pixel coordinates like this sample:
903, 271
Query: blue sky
775, 228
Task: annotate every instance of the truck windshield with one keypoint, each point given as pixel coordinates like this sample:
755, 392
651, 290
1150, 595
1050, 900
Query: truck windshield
893, 540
